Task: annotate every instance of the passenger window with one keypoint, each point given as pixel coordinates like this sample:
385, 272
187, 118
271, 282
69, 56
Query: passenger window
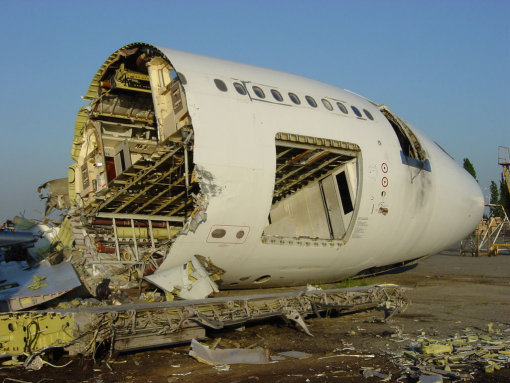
356, 111
327, 104
240, 88
295, 99
218, 233
311, 101
220, 85
277, 95
259, 92
368, 114
342, 107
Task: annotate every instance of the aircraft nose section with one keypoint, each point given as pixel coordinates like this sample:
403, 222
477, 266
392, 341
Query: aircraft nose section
460, 203
471, 201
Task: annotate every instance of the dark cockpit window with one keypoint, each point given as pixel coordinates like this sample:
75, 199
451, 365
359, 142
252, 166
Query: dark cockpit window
240, 88
368, 114
259, 92
295, 99
311, 101
342, 107
404, 141
356, 111
412, 153
277, 95
327, 104
220, 85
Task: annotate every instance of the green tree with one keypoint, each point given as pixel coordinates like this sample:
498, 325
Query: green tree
495, 210
504, 195
469, 168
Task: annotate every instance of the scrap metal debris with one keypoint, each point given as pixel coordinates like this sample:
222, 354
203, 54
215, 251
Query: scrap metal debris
29, 240
56, 194
193, 280
24, 287
82, 328
432, 360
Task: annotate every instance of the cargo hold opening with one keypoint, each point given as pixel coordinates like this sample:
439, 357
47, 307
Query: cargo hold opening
316, 188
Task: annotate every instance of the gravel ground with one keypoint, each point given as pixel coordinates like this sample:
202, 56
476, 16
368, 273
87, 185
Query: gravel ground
450, 296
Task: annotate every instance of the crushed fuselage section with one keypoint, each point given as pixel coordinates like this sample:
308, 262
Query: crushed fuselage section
132, 187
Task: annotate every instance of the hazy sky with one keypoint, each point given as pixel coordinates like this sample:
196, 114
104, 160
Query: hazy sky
444, 66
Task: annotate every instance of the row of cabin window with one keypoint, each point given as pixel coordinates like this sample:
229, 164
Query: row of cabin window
293, 97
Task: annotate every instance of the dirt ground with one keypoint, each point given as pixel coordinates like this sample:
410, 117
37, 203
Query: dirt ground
449, 294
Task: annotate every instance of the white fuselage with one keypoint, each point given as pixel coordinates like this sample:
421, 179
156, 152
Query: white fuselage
283, 180
402, 212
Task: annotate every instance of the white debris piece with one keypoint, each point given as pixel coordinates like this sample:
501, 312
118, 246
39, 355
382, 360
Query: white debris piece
295, 354
227, 356
222, 367
19, 287
188, 281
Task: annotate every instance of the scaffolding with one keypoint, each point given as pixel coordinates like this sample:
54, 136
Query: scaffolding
504, 161
492, 239
490, 235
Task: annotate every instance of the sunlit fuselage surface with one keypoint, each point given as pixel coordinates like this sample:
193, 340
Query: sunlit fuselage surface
274, 178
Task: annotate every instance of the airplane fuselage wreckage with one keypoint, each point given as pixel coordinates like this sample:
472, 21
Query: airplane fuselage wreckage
195, 174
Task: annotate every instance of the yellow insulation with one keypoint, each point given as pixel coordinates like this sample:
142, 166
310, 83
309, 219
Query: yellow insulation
65, 235
143, 232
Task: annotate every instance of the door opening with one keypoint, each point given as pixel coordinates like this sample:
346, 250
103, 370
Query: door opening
316, 186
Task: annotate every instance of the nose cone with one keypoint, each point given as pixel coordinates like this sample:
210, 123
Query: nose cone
459, 203
470, 202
